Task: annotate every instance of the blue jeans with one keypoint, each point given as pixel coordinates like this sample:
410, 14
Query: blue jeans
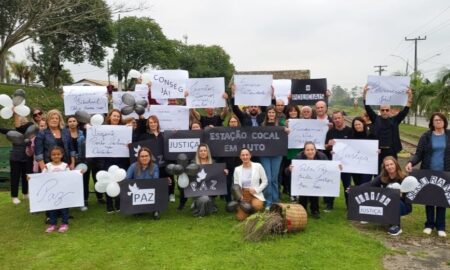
439, 222
271, 166
53, 215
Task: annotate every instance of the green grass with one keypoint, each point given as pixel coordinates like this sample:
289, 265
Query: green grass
411, 133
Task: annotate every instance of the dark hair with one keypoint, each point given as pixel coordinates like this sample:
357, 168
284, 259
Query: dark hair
266, 117
291, 107
155, 119
440, 115
139, 168
360, 119
59, 148
341, 112
308, 143
244, 148
108, 117
398, 169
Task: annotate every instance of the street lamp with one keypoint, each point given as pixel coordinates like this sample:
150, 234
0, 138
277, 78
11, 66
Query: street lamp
433, 56
404, 60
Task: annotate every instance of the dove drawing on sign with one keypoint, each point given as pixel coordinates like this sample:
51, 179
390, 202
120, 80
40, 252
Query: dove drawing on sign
133, 189
201, 175
136, 150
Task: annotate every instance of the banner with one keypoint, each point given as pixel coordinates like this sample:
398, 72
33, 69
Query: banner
377, 205
57, 190
387, 90
315, 178
108, 141
304, 130
143, 196
253, 90
168, 83
206, 93
181, 141
157, 151
357, 156
308, 92
433, 189
282, 89
261, 141
171, 117
210, 180
92, 99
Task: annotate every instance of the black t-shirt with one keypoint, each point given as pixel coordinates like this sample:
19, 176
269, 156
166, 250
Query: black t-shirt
385, 134
214, 120
334, 133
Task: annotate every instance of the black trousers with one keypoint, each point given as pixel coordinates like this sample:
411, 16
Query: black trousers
313, 203
18, 173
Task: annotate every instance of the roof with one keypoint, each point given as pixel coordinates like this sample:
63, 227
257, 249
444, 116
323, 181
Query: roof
280, 74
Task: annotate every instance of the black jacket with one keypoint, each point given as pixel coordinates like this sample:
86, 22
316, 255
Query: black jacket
423, 151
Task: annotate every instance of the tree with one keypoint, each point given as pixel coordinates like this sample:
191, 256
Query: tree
340, 96
140, 42
19, 69
204, 61
29, 75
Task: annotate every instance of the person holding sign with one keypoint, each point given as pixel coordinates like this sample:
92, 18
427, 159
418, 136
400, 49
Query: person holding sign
292, 112
360, 132
252, 179
309, 153
433, 151
231, 162
57, 165
385, 127
254, 117
144, 168
391, 177
321, 113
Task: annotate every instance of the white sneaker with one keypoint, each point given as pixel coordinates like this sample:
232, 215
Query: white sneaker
172, 197
15, 200
442, 234
363, 222
427, 231
83, 208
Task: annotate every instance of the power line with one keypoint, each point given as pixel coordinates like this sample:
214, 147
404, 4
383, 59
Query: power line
430, 21
415, 50
380, 69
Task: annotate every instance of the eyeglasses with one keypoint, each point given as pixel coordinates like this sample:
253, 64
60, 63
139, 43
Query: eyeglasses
437, 120
384, 110
37, 114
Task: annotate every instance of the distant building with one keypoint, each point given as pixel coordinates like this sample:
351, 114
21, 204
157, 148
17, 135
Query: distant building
91, 82
280, 74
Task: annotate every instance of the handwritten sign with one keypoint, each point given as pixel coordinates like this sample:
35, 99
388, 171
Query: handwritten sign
253, 90
171, 117
168, 83
433, 188
377, 205
108, 141
92, 99
57, 190
282, 89
315, 178
181, 141
308, 92
206, 93
209, 181
357, 156
143, 196
387, 90
261, 141
141, 88
304, 130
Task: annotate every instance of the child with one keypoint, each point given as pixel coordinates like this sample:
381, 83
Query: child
56, 165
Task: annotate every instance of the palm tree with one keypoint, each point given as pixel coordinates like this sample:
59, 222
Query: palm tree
18, 68
29, 75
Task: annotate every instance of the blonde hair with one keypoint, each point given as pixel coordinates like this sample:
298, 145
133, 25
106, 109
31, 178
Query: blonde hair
197, 158
58, 113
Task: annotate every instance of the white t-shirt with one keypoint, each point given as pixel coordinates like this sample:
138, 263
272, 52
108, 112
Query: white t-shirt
50, 167
246, 177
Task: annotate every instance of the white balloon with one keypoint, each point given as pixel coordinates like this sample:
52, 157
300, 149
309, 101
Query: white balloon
113, 189
5, 100
112, 169
101, 187
134, 74
22, 110
81, 167
409, 184
6, 112
103, 176
146, 78
394, 186
97, 120
119, 175
183, 180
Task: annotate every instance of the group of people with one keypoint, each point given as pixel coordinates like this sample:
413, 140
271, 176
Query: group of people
60, 145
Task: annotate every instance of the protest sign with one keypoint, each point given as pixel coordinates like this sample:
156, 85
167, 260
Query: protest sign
282, 89
387, 90
357, 156
206, 93
308, 92
91, 99
253, 90
143, 196
304, 130
433, 188
108, 141
209, 181
181, 141
156, 148
168, 83
171, 117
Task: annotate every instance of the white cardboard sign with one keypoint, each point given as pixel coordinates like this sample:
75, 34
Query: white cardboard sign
282, 89
92, 99
387, 90
357, 156
168, 83
171, 117
304, 130
254, 90
108, 141
206, 93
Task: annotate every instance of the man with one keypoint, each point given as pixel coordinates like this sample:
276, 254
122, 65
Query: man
385, 127
279, 108
339, 131
321, 112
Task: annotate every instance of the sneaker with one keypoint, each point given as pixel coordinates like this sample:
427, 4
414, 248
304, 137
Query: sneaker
427, 231
363, 222
172, 198
156, 215
110, 211
15, 200
292, 198
328, 209
50, 228
442, 234
118, 211
83, 208
315, 215
26, 196
395, 230
63, 228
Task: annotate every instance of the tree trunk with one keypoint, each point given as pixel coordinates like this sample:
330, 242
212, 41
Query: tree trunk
2, 67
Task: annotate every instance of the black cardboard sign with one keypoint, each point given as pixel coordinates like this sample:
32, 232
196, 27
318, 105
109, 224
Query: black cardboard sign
433, 189
308, 92
143, 196
181, 141
210, 180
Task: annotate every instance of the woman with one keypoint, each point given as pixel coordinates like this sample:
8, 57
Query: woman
292, 112
231, 162
38, 115
144, 168
78, 143
252, 179
114, 117
391, 172
360, 132
433, 151
54, 135
271, 164
309, 153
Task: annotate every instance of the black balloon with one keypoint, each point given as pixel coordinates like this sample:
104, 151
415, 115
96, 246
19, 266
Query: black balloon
182, 159
231, 206
82, 117
169, 168
31, 131
15, 137
142, 102
192, 169
246, 207
19, 92
236, 189
17, 100
178, 169
127, 110
140, 110
128, 99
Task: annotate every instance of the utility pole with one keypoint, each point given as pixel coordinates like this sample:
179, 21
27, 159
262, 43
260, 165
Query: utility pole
107, 64
380, 69
415, 51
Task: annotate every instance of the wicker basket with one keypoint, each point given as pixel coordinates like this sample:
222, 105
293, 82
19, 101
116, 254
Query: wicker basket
294, 215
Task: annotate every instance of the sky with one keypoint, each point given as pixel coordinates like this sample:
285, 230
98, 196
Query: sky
338, 40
